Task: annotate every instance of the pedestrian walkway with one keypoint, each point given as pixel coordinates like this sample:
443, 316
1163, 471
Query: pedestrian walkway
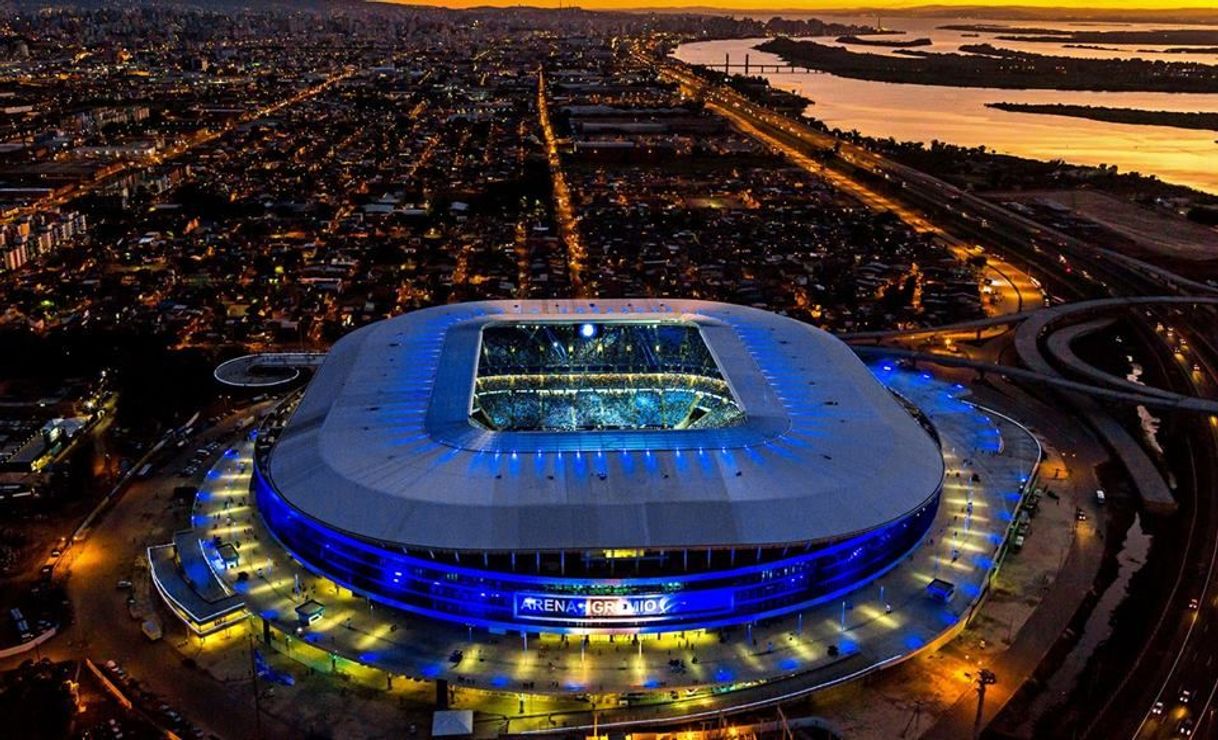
989, 458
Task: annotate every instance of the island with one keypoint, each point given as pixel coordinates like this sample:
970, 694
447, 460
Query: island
984, 65
995, 28
1181, 37
890, 43
1174, 119
1182, 50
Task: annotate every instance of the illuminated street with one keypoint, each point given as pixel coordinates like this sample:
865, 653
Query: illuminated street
564, 213
1013, 289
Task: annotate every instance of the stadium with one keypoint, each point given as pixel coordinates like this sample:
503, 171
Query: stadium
591, 467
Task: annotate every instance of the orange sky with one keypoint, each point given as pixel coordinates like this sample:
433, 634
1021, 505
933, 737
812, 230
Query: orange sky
812, 5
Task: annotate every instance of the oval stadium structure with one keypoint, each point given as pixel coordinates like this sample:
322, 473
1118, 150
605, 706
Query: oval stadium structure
597, 466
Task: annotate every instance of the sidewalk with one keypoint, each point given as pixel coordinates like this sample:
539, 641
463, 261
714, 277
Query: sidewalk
680, 673
1059, 604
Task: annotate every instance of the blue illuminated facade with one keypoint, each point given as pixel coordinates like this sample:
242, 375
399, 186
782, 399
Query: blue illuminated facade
786, 579
617, 465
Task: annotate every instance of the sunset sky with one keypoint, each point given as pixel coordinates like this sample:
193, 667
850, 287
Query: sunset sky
812, 5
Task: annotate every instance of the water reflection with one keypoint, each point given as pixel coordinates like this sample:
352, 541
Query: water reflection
948, 41
959, 116
1133, 543
1148, 421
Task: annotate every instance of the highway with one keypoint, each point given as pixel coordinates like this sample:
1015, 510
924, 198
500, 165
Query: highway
958, 216
564, 212
1015, 289
1179, 651
104, 629
1185, 660
1165, 402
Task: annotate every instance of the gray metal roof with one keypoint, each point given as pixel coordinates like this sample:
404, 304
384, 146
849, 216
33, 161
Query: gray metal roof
381, 445
189, 581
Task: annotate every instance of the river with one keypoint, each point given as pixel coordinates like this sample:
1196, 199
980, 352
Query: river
957, 115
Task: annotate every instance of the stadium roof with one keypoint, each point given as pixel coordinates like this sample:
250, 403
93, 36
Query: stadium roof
381, 444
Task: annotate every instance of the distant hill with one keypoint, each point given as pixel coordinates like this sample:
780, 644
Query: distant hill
214, 5
1013, 12
1008, 13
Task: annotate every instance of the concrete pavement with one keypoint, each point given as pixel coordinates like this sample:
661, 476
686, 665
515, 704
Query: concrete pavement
494, 668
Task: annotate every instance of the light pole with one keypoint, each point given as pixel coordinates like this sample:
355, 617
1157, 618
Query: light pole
254, 685
985, 677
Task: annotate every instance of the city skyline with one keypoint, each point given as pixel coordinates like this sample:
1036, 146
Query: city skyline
812, 6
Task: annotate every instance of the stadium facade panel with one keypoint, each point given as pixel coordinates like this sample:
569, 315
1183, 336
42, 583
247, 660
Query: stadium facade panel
597, 466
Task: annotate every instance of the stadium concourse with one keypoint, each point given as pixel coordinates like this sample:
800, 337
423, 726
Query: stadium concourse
988, 458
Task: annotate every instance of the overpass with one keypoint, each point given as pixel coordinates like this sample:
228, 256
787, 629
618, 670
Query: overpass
977, 325
1096, 386
1027, 335
1059, 345
1144, 474
1032, 325
1163, 400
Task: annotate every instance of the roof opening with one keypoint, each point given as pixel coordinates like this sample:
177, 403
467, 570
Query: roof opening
610, 375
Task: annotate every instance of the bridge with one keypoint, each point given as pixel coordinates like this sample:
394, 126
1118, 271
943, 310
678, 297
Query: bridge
761, 68
1057, 327
1029, 329
1027, 335
1149, 397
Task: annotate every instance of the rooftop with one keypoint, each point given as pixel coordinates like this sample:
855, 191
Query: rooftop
382, 444
182, 575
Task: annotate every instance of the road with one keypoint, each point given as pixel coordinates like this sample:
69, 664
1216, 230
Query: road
921, 198
104, 629
564, 211
1013, 288
66, 195
1171, 658
1188, 658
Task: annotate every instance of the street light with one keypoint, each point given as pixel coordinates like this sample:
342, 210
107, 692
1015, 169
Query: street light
985, 677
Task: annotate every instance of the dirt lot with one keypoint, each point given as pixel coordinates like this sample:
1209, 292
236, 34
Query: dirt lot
1158, 233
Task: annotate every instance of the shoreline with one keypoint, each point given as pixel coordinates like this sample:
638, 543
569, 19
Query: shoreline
1131, 116
990, 67
1191, 182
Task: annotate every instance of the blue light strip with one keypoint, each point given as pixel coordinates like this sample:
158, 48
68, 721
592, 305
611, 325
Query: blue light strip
494, 599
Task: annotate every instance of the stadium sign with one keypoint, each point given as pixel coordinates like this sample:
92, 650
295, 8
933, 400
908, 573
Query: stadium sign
635, 608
